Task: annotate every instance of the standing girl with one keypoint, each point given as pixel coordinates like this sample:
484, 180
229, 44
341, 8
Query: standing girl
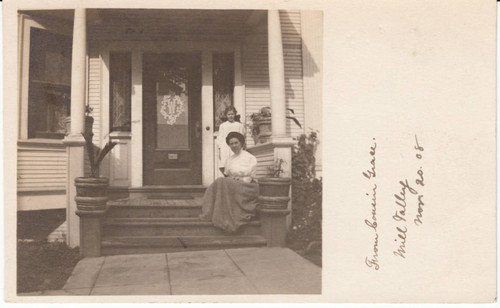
231, 125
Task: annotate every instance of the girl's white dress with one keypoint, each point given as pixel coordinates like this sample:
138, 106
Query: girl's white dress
224, 150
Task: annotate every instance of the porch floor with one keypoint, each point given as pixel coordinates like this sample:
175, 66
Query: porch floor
229, 271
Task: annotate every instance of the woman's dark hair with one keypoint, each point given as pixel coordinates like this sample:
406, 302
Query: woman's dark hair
236, 135
230, 108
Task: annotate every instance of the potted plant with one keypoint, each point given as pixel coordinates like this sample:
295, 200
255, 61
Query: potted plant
91, 191
274, 190
260, 124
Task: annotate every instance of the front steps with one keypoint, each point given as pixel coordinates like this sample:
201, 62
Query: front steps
137, 193
146, 208
143, 225
185, 226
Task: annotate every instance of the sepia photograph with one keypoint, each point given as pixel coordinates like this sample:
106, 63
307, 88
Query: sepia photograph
266, 151
169, 152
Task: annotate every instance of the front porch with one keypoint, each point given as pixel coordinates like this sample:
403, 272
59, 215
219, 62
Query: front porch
156, 150
165, 220
120, 67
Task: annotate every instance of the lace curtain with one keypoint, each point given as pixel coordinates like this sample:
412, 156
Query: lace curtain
120, 75
223, 81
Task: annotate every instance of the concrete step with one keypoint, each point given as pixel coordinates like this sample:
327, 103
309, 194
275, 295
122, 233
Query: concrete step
154, 208
146, 191
181, 226
119, 245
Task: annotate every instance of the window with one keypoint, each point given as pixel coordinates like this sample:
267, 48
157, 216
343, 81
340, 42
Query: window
120, 72
49, 90
223, 84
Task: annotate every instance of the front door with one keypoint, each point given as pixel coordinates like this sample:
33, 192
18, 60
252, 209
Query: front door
172, 118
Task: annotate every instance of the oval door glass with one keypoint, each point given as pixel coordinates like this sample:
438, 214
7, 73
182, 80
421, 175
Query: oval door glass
172, 112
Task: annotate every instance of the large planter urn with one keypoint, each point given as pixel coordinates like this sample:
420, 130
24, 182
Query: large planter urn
91, 198
261, 121
91, 194
265, 130
273, 209
274, 192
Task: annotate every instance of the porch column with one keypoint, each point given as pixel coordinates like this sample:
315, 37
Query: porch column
276, 222
78, 72
281, 142
74, 141
137, 117
276, 74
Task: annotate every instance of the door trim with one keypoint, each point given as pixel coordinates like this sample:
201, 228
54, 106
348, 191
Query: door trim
166, 164
207, 111
206, 48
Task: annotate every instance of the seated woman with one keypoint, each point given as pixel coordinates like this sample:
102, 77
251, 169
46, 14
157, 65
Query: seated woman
230, 202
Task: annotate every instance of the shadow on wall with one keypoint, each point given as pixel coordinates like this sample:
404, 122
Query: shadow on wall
299, 60
293, 48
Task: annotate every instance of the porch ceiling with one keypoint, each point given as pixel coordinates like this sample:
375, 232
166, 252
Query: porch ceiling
151, 24
160, 24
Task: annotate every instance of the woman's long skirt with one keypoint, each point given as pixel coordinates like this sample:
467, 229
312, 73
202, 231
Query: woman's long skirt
229, 203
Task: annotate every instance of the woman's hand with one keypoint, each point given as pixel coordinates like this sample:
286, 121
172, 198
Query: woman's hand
244, 179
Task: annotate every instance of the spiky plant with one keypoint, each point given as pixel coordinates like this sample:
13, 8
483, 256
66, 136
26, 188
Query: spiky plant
92, 152
276, 170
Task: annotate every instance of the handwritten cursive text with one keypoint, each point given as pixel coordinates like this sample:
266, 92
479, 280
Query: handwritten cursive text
371, 172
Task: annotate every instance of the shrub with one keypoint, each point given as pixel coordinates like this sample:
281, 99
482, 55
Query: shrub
44, 265
306, 195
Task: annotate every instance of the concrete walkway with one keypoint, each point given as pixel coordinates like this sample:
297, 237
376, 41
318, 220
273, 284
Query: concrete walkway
230, 271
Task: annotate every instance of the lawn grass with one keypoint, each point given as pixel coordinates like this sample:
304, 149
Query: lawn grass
43, 265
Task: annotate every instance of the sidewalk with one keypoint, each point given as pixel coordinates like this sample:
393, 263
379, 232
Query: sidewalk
231, 271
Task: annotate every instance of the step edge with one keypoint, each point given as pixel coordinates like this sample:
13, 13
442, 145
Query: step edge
186, 223
154, 206
150, 219
154, 246
186, 237
157, 188
256, 241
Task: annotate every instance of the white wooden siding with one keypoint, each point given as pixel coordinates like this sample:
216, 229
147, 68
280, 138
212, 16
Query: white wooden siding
255, 74
94, 101
264, 161
41, 167
312, 48
256, 71
94, 92
292, 54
